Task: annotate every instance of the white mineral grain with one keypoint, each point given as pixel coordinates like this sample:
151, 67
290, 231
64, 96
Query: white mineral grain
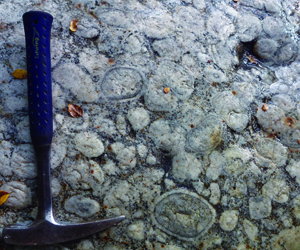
272, 150
296, 206
186, 166
20, 195
273, 26
250, 229
169, 184
6, 149
229, 219
260, 207
151, 159
215, 193
173, 76
119, 197
85, 245
110, 168
122, 83
167, 49
82, 206
121, 124
71, 77
142, 150
160, 246
230, 108
219, 26
199, 4
198, 185
75, 173
89, 144
248, 27
276, 189
87, 28
287, 239
55, 187
23, 161
215, 167
136, 230
58, 151
125, 155
236, 160
96, 64
139, 118
57, 51
104, 124
157, 25
294, 170
166, 137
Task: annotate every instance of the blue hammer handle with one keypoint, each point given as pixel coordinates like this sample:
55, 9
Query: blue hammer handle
37, 27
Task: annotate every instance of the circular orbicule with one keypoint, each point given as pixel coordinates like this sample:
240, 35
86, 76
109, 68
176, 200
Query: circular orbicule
183, 214
205, 136
122, 83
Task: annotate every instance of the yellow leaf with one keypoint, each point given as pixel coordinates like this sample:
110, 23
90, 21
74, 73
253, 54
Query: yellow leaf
3, 197
20, 73
73, 25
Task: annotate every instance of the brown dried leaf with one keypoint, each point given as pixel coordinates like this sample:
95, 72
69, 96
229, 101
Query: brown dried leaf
73, 25
20, 74
3, 197
74, 110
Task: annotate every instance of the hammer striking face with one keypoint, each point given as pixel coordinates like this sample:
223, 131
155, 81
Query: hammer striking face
45, 230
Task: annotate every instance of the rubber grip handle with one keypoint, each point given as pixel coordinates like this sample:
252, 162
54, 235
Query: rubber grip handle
37, 26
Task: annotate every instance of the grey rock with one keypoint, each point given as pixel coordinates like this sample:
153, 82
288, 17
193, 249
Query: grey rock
82, 206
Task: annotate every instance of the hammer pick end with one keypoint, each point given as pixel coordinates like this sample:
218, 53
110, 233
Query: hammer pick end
49, 232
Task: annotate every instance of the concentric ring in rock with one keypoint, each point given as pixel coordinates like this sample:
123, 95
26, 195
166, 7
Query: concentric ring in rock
205, 136
183, 214
173, 76
122, 83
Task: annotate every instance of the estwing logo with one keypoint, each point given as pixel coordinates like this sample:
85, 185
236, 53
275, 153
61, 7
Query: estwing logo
35, 42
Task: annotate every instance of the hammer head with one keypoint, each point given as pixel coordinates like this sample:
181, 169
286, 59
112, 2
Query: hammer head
51, 232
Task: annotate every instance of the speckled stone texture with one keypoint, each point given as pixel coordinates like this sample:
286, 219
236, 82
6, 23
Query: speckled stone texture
190, 124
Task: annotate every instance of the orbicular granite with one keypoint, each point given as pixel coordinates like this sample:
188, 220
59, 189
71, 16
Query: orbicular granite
190, 123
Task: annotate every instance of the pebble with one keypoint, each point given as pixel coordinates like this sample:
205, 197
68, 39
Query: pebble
219, 26
20, 196
277, 190
294, 170
205, 136
174, 76
186, 166
6, 149
85, 245
229, 220
250, 229
136, 230
71, 77
125, 155
215, 193
272, 150
166, 137
139, 118
259, 207
177, 212
82, 206
248, 27
89, 144
122, 83
23, 161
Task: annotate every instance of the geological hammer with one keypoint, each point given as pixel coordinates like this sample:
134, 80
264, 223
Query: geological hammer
44, 230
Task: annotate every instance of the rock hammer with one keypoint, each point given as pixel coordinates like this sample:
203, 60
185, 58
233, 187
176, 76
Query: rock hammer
45, 230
